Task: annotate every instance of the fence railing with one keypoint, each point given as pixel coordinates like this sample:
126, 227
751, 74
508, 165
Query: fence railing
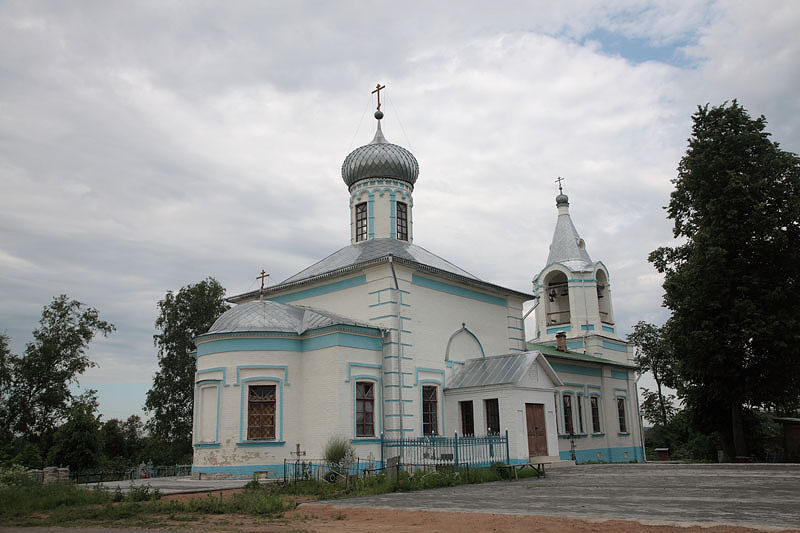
295, 470
436, 451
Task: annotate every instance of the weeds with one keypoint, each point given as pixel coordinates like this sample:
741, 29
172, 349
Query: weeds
29, 503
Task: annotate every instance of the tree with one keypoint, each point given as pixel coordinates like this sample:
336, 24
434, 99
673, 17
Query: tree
653, 355
182, 316
76, 442
734, 284
38, 393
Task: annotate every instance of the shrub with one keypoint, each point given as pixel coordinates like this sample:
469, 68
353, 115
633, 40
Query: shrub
14, 476
337, 449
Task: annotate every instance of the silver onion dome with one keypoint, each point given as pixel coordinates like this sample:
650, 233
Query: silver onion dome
380, 159
562, 199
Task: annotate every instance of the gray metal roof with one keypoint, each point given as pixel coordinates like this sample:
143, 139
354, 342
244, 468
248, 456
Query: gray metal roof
380, 159
567, 247
372, 249
269, 316
493, 370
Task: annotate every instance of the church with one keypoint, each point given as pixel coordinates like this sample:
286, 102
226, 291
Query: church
384, 338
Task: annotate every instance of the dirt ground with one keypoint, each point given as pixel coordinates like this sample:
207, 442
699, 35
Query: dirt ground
312, 517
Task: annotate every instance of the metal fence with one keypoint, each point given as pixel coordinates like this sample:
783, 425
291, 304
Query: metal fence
435, 451
321, 470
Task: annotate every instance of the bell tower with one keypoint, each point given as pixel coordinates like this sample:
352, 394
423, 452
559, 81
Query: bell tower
574, 292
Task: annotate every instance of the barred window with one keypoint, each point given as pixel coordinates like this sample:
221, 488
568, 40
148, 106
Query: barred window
361, 222
430, 410
365, 409
261, 412
402, 221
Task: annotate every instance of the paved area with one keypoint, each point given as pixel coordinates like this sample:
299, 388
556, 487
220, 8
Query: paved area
176, 485
746, 494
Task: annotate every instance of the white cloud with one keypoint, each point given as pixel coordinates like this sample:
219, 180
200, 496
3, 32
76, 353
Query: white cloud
147, 146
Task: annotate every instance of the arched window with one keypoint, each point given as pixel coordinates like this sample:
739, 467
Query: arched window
556, 297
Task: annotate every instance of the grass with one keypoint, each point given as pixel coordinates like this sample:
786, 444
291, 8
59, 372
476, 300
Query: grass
28, 503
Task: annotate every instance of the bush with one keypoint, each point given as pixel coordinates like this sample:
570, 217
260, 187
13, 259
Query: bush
337, 449
15, 476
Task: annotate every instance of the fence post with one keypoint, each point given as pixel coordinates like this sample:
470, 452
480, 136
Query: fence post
508, 454
455, 446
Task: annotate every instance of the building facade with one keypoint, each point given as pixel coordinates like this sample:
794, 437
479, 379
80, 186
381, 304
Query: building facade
383, 337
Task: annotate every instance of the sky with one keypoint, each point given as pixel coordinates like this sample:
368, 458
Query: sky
145, 146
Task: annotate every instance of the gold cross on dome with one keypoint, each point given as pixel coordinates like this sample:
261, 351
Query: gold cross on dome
378, 89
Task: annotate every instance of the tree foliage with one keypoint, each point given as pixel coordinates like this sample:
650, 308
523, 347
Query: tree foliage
76, 443
182, 316
653, 355
734, 284
37, 385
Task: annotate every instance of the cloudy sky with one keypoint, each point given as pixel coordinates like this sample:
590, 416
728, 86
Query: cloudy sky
147, 145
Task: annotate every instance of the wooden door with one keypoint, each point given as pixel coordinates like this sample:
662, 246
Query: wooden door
537, 432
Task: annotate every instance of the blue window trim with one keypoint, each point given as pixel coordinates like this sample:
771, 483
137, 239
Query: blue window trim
215, 369
243, 407
600, 411
196, 422
419, 369
439, 404
285, 369
352, 364
622, 393
377, 409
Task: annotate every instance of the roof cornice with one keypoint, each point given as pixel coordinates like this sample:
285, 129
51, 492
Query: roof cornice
283, 287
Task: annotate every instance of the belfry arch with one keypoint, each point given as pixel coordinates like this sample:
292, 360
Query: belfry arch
556, 298
604, 297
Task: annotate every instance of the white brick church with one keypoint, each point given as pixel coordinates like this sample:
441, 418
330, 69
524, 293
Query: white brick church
383, 337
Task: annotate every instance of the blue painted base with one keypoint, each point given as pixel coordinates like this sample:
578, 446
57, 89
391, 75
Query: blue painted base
606, 455
275, 471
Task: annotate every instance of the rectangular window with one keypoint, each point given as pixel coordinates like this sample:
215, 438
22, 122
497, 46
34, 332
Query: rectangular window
365, 409
579, 405
361, 222
623, 421
402, 221
567, 402
430, 410
261, 412
594, 402
492, 416
467, 418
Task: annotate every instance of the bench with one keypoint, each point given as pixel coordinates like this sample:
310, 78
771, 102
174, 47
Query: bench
534, 463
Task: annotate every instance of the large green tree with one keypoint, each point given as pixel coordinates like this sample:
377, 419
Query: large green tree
733, 285
38, 390
183, 315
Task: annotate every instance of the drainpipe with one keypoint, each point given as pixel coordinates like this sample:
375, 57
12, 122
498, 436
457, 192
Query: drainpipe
399, 348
